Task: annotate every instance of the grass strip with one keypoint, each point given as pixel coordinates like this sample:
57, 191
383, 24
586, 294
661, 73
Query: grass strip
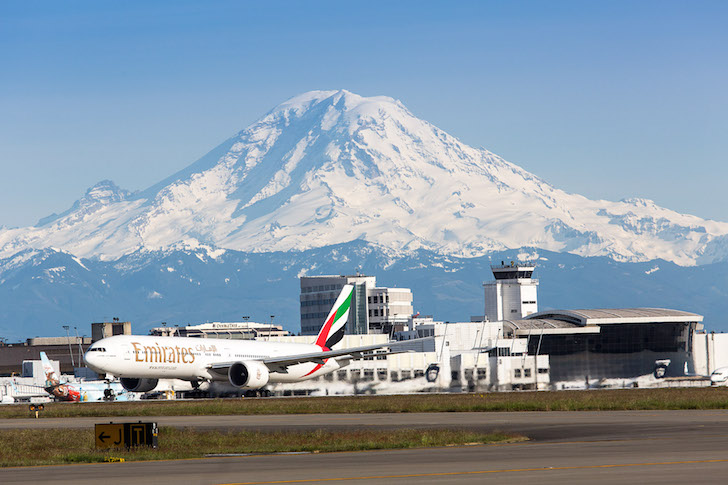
26, 447
594, 400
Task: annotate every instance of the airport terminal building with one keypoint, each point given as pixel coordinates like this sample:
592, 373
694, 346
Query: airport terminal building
374, 310
515, 346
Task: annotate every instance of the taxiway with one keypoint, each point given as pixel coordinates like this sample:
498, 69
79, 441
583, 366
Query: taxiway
565, 447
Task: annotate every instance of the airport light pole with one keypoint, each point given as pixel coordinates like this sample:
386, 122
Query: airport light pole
70, 351
80, 348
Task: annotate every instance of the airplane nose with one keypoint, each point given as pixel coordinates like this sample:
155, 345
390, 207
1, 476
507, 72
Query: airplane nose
91, 359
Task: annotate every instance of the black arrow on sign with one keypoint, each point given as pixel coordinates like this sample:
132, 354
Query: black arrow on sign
103, 436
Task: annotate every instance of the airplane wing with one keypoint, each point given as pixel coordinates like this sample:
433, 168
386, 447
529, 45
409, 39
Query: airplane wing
281, 363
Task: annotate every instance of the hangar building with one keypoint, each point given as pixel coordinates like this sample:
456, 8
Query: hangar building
610, 343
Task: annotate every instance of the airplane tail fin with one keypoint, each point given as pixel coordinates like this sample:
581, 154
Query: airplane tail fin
50, 372
335, 324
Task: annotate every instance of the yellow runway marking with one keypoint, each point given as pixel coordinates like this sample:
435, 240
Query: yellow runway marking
480, 472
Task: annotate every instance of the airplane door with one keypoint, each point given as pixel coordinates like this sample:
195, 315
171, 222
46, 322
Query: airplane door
126, 352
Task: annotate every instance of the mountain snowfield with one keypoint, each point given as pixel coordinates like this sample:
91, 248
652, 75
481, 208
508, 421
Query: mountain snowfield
330, 167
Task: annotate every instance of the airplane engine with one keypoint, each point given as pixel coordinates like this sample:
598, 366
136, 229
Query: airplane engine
136, 384
248, 375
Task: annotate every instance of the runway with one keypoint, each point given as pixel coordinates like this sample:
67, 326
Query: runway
566, 447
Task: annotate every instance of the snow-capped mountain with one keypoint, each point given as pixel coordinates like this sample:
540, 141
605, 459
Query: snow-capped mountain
330, 167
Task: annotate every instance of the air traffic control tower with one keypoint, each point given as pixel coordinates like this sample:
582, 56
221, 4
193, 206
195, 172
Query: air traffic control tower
513, 294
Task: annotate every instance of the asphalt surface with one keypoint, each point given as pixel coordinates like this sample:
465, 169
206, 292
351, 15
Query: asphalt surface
565, 447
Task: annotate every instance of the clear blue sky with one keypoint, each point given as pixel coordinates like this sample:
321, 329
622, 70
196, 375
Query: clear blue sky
607, 99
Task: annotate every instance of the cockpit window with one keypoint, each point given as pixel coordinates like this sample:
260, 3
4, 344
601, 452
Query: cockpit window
97, 349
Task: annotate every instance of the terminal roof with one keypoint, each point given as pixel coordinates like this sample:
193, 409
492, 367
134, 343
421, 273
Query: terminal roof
618, 316
549, 326
589, 321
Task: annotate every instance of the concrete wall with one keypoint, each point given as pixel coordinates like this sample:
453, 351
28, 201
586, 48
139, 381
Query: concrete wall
13, 355
504, 299
710, 352
473, 371
34, 369
493, 307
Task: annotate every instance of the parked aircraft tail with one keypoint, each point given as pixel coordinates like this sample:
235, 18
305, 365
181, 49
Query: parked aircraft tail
335, 324
50, 372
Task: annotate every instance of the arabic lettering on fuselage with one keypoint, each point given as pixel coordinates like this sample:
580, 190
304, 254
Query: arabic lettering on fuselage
169, 354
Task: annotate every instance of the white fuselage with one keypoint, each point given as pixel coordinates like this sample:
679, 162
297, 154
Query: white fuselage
193, 359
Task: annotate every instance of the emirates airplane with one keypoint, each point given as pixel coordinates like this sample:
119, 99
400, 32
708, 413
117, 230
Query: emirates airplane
140, 361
